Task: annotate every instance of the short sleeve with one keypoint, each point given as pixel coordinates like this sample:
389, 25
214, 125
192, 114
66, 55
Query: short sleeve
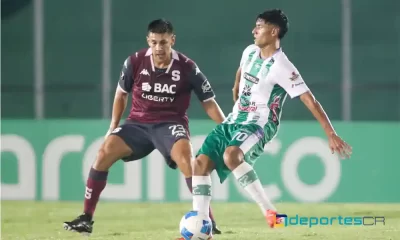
200, 84
290, 79
126, 76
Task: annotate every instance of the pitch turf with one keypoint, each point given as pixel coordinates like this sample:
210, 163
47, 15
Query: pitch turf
43, 220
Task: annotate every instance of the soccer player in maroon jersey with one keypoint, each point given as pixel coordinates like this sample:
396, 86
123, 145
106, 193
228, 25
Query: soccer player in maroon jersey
160, 80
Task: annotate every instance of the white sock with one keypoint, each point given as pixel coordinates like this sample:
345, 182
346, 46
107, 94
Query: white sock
248, 179
201, 186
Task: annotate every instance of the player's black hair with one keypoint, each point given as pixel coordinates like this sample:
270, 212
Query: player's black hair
160, 26
278, 18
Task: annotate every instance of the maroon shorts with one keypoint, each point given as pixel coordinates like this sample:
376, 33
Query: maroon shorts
143, 138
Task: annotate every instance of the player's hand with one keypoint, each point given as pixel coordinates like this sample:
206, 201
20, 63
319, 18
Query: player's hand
109, 132
336, 144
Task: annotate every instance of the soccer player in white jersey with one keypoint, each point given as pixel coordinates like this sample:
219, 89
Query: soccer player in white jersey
263, 81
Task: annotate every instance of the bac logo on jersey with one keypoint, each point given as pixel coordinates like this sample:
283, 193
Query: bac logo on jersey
164, 88
159, 88
251, 78
176, 75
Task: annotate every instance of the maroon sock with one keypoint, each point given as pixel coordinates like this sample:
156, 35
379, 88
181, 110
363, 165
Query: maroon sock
189, 184
94, 186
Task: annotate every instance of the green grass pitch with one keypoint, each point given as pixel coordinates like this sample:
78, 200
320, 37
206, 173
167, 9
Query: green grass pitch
241, 221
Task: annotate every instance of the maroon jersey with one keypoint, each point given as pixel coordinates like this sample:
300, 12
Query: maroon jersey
162, 95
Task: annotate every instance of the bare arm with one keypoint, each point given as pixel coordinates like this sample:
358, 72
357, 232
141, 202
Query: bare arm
213, 110
289, 78
316, 109
120, 102
205, 94
336, 144
235, 89
124, 86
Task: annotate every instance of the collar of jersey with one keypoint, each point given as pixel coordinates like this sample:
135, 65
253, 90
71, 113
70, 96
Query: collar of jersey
279, 50
175, 55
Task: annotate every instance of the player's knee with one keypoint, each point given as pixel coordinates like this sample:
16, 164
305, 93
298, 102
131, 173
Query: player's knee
107, 155
184, 164
101, 160
233, 157
202, 166
182, 154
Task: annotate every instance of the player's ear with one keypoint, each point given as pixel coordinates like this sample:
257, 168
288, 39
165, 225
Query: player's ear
275, 31
148, 41
173, 38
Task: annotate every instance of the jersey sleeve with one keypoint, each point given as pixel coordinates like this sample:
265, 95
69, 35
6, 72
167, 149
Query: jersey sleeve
200, 84
288, 77
126, 77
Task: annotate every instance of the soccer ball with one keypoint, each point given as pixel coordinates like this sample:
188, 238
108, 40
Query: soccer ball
195, 226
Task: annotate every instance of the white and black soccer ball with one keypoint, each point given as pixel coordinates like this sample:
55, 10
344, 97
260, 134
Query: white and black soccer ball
195, 226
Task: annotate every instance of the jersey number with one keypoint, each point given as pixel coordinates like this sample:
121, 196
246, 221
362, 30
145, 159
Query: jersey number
177, 130
240, 136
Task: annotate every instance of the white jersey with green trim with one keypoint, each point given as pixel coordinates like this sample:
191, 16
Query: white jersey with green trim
264, 85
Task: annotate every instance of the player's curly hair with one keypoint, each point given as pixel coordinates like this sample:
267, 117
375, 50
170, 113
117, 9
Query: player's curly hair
160, 26
278, 18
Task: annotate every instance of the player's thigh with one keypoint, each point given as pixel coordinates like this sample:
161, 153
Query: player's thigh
173, 142
182, 155
137, 137
112, 149
214, 147
250, 139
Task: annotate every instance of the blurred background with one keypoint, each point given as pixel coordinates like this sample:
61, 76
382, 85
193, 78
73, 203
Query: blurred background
61, 62
61, 59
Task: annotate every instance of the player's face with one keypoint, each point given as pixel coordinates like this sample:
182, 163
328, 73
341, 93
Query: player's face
161, 44
264, 33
